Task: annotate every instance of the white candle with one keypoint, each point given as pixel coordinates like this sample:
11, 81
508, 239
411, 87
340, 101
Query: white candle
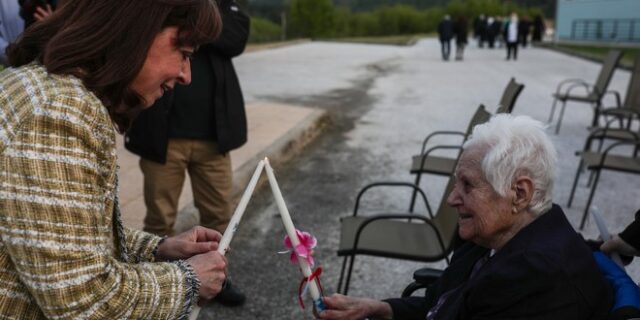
223, 246
242, 206
291, 231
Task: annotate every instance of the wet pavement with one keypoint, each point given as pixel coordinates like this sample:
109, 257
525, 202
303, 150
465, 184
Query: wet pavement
382, 101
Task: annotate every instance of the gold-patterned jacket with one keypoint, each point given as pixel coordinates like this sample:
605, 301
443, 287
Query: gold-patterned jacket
63, 251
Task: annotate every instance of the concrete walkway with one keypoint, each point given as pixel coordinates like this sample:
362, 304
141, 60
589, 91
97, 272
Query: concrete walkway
274, 130
382, 101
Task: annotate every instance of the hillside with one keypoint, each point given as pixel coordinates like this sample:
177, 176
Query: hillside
270, 8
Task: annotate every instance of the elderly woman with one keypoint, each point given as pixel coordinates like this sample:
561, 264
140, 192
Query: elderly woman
64, 253
522, 259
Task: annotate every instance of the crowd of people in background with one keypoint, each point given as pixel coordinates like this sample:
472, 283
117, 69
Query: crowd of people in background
490, 32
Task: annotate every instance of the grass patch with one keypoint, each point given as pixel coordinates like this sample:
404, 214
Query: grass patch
407, 40
599, 52
251, 47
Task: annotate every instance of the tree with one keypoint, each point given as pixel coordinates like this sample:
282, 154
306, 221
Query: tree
312, 18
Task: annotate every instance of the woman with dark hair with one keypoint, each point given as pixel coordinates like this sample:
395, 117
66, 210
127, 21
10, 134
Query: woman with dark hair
64, 253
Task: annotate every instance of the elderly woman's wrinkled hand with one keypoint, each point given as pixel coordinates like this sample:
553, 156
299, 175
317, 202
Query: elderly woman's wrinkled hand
211, 270
195, 241
340, 307
616, 244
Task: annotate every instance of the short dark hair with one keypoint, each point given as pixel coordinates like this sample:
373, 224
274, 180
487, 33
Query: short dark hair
105, 43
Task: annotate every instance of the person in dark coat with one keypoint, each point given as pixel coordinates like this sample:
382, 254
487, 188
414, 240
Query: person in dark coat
445, 33
626, 242
460, 29
480, 30
522, 258
524, 28
538, 29
192, 129
493, 31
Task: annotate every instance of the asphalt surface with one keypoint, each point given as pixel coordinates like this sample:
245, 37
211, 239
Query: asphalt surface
382, 101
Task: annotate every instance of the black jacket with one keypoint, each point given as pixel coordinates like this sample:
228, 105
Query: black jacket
546, 271
631, 233
445, 30
148, 135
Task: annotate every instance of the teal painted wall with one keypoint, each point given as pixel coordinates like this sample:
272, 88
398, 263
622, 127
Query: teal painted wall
569, 10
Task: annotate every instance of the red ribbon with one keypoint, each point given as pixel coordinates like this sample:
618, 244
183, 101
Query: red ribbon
315, 275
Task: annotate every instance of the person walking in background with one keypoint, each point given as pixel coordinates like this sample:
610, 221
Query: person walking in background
480, 30
460, 29
511, 37
193, 129
11, 26
538, 29
445, 33
76, 78
491, 35
524, 28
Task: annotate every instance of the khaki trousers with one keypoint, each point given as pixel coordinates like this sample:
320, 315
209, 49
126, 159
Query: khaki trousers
211, 182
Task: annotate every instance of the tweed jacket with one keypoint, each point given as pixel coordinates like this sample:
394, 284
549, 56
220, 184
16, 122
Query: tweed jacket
63, 250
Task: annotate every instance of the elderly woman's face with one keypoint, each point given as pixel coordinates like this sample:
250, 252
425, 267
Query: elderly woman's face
486, 218
166, 65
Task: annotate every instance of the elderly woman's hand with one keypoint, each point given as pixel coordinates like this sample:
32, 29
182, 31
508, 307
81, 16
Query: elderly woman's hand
195, 241
210, 268
616, 244
340, 307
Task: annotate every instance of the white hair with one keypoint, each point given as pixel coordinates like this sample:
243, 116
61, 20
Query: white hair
517, 145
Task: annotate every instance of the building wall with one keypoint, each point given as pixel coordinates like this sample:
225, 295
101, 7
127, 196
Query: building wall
570, 10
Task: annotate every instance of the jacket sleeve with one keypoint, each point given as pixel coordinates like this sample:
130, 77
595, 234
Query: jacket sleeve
409, 308
631, 233
235, 30
56, 224
141, 246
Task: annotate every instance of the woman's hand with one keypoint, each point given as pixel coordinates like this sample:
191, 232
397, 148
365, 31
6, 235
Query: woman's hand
42, 13
195, 241
340, 307
616, 244
210, 268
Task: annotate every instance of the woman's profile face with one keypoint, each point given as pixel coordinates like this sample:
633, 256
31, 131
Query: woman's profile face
165, 66
485, 217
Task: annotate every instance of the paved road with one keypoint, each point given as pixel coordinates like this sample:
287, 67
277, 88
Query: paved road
383, 100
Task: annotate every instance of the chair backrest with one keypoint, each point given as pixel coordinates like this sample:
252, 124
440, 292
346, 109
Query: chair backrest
481, 116
609, 65
446, 218
632, 99
509, 96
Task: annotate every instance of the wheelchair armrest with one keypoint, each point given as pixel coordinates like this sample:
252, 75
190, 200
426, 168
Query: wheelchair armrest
422, 279
427, 276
